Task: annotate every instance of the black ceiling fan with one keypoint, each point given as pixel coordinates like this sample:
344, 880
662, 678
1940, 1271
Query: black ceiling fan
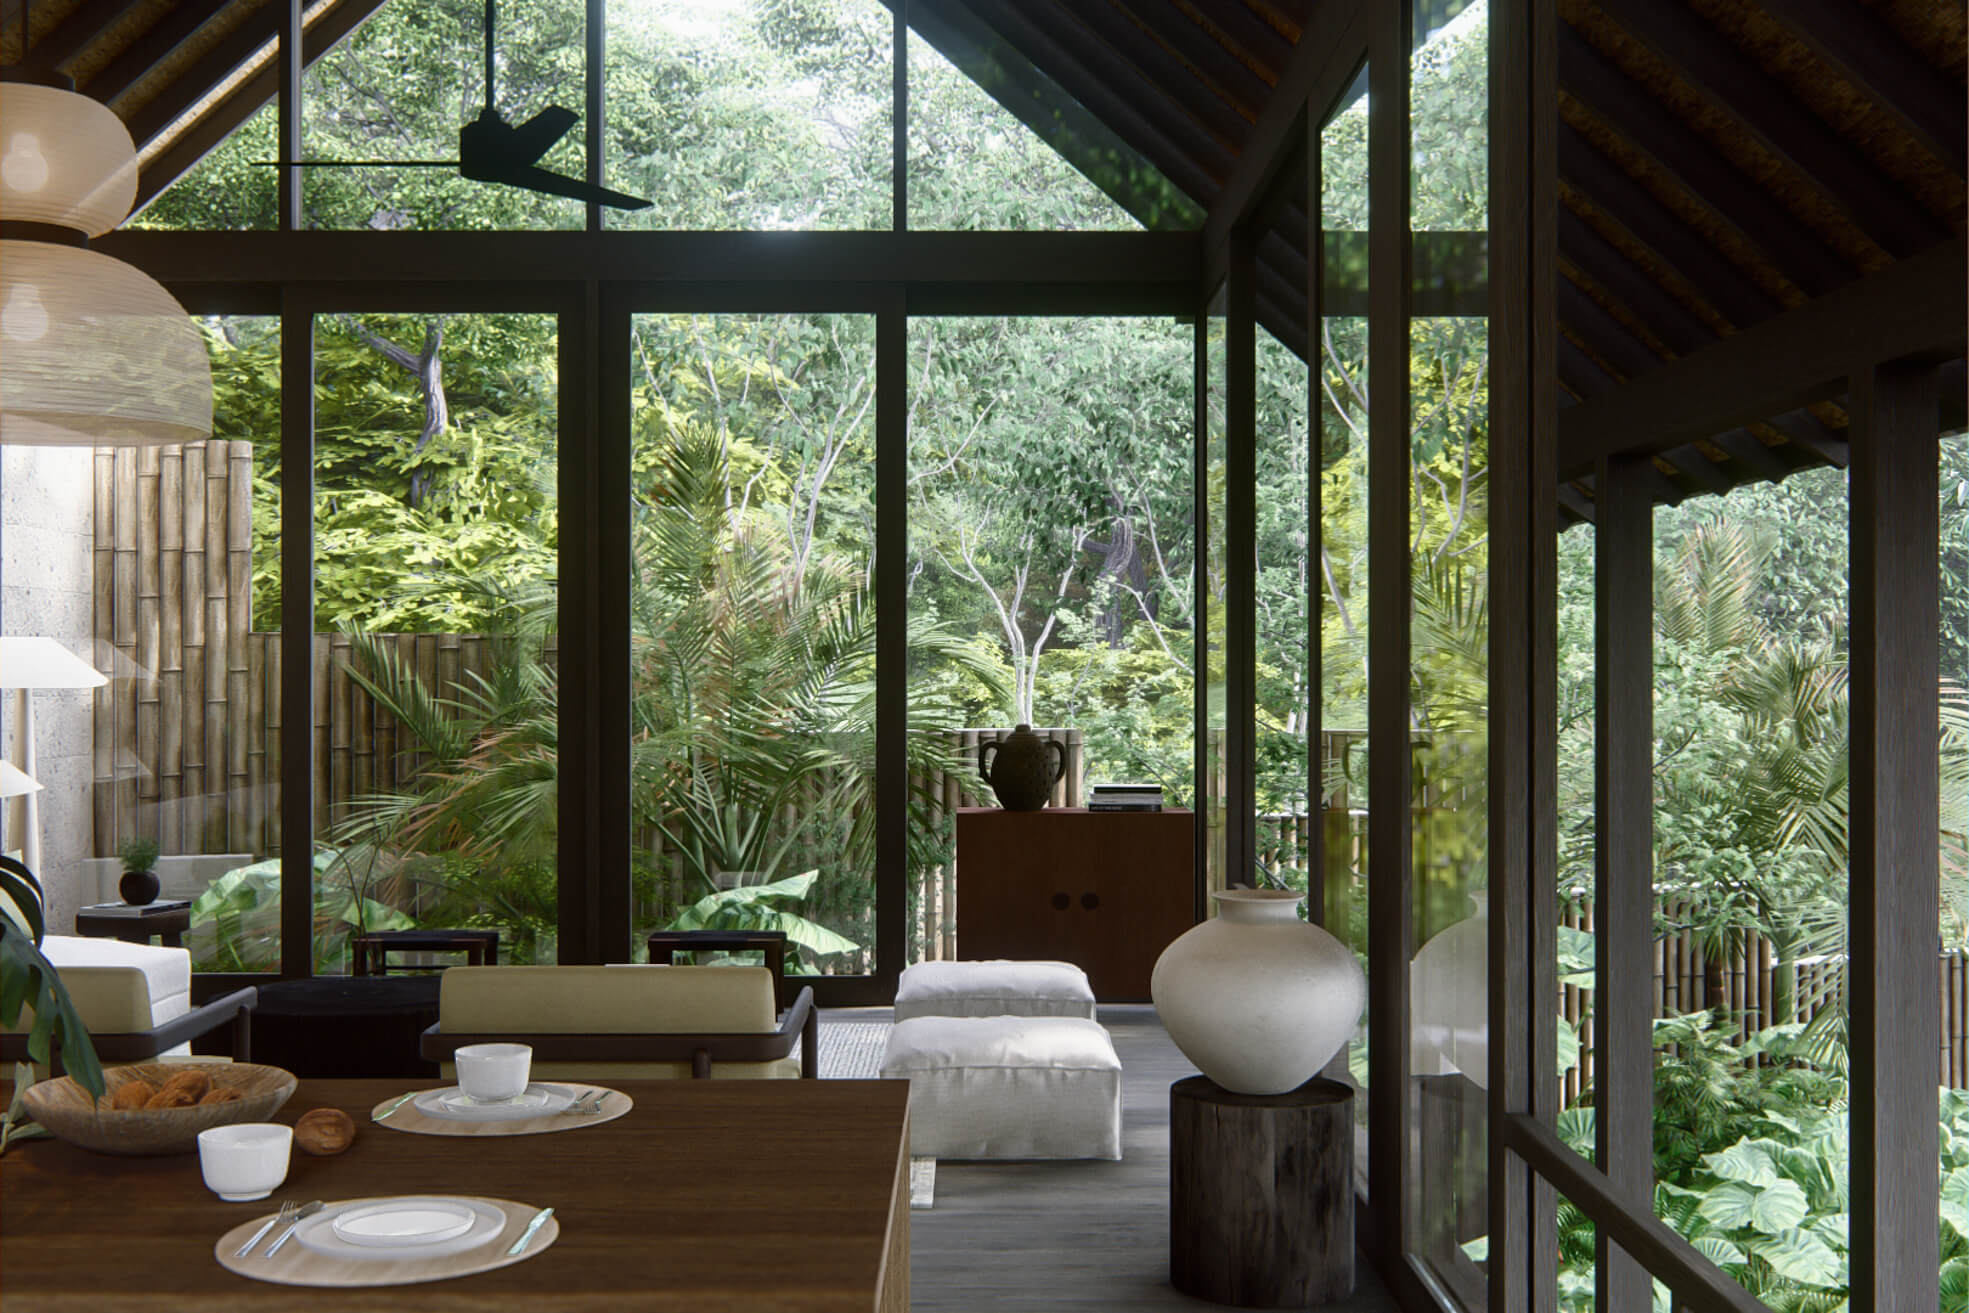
492, 150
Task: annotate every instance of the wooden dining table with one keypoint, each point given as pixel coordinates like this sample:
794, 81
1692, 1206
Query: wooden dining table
708, 1195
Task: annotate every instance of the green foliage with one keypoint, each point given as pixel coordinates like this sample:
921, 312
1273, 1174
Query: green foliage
29, 980
757, 907
236, 920
138, 854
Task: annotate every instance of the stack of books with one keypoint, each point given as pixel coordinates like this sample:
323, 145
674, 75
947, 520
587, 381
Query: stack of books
136, 909
1125, 798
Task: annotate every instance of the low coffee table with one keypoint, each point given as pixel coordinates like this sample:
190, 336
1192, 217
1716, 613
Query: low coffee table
136, 924
346, 1026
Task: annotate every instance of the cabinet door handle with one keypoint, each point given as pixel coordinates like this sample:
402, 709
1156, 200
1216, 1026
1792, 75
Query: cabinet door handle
1061, 902
1090, 901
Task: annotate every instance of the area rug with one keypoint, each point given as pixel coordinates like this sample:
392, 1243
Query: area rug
852, 1050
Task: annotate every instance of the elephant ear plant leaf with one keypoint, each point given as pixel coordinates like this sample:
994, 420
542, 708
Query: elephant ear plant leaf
27, 979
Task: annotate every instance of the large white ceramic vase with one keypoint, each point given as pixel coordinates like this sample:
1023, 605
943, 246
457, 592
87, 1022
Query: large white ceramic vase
1258, 999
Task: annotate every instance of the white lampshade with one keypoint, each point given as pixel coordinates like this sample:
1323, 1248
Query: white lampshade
14, 781
94, 352
64, 160
34, 662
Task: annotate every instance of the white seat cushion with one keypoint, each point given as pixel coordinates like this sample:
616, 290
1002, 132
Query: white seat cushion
1008, 1087
994, 988
166, 971
122, 988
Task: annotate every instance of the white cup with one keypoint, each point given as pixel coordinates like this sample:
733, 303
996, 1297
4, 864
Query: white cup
491, 1072
245, 1161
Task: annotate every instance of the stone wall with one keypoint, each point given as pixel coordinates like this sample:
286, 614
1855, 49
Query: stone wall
46, 536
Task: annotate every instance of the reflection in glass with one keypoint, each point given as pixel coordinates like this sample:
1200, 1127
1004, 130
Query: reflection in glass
1213, 796
145, 564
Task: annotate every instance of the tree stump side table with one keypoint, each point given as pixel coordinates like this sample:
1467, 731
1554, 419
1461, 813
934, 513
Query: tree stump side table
1261, 1194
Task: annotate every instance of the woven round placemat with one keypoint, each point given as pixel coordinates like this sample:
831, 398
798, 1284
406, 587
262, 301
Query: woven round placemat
408, 1117
297, 1265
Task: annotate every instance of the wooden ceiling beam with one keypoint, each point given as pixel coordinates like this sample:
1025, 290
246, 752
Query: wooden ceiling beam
1321, 68
75, 33
1604, 335
1243, 32
1576, 505
1627, 107
1852, 39
1581, 245
1150, 122
1082, 139
206, 72
1808, 432
1699, 474
219, 120
1911, 310
1658, 228
1185, 35
1765, 108
1114, 41
151, 49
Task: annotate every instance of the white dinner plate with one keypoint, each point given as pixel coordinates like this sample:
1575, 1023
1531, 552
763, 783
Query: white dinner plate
321, 1232
398, 1222
453, 1104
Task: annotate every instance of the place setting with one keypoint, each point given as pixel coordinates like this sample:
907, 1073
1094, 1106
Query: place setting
496, 1095
371, 1241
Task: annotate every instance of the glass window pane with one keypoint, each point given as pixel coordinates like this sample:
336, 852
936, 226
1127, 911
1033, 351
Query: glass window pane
1214, 794
402, 85
1751, 622
1343, 564
1281, 735
230, 188
1954, 911
974, 165
1052, 560
148, 565
435, 716
752, 629
747, 114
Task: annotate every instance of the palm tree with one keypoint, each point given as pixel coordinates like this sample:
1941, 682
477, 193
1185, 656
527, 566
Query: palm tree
752, 720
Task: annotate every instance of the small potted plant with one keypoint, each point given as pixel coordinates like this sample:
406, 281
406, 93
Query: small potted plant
139, 884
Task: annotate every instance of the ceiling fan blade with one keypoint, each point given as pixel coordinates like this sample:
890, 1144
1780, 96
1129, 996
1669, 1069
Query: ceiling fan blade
533, 178
537, 135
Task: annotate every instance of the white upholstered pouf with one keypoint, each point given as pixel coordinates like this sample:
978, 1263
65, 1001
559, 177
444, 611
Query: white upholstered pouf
995, 988
1008, 1087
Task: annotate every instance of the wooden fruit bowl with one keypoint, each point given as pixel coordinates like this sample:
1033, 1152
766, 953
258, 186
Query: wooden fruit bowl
68, 1112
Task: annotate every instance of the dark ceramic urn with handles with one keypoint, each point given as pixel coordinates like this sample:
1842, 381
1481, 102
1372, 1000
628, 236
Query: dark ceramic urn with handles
1022, 769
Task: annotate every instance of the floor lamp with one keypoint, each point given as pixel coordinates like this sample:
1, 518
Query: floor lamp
27, 664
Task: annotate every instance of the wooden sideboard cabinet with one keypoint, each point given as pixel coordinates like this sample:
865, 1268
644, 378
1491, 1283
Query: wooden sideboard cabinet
1106, 891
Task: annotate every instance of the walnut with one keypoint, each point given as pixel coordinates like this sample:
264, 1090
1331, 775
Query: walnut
221, 1094
130, 1095
324, 1132
171, 1096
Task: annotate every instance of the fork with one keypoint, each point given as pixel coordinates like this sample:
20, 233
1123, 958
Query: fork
593, 1109
286, 1214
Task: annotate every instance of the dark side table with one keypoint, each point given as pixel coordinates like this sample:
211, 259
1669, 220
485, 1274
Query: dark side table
136, 924
372, 951
1261, 1194
346, 1026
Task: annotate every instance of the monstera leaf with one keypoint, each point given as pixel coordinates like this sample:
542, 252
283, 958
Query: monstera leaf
27, 979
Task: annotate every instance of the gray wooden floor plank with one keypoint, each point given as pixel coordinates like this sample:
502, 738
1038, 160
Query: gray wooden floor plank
1071, 1237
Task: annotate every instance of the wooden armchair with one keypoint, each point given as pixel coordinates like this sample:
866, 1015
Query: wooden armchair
629, 1022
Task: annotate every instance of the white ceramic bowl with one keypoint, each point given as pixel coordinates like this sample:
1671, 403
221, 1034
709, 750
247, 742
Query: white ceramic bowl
246, 1161
491, 1072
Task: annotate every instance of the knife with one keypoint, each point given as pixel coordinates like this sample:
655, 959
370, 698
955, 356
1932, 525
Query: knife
398, 1104
307, 1210
285, 1214
532, 1228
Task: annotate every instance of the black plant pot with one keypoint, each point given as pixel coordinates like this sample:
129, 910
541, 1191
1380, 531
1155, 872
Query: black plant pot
139, 887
